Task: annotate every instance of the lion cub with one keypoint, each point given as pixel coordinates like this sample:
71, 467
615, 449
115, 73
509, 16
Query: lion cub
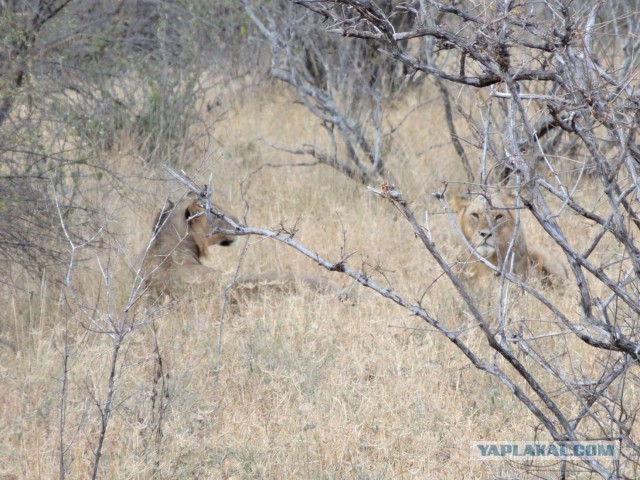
489, 227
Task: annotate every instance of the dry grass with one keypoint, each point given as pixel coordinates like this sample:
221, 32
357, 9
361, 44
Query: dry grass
308, 387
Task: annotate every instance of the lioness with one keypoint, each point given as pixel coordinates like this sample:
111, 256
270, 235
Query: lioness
489, 227
181, 239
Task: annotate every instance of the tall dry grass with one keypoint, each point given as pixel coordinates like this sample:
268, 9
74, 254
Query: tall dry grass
307, 386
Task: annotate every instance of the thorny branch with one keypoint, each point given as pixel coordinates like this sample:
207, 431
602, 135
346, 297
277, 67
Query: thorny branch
536, 397
561, 110
343, 88
117, 324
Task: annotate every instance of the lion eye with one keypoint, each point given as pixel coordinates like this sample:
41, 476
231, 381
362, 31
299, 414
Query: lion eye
499, 217
475, 215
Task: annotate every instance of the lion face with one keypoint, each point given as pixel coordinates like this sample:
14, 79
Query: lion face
206, 231
490, 228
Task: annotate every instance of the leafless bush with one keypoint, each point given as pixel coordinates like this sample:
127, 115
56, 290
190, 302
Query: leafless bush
344, 85
108, 315
84, 84
558, 92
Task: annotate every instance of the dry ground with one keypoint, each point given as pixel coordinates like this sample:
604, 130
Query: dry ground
304, 386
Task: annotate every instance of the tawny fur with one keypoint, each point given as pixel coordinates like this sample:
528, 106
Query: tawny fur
182, 236
490, 229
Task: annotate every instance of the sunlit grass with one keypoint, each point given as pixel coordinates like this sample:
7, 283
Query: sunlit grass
307, 386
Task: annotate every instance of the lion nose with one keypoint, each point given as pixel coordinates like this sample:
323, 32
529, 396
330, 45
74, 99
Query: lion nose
485, 235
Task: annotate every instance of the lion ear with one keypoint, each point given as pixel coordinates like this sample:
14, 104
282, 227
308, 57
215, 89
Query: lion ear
504, 199
163, 216
168, 206
459, 202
